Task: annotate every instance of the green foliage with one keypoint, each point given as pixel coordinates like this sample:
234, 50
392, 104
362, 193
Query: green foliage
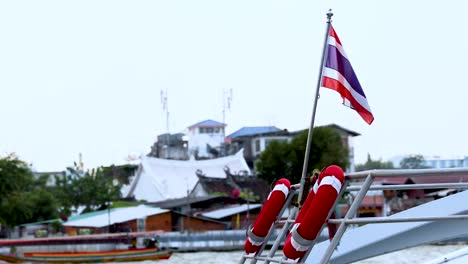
285, 159
413, 162
91, 189
24, 199
118, 204
276, 162
15, 175
374, 164
56, 226
43, 203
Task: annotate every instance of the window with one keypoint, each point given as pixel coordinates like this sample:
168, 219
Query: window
209, 130
257, 145
201, 130
141, 224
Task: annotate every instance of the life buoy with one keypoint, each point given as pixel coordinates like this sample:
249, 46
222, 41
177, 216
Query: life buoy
314, 213
270, 210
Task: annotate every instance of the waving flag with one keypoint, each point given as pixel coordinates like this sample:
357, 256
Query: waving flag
338, 75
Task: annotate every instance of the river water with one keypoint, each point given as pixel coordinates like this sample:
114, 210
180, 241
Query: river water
414, 255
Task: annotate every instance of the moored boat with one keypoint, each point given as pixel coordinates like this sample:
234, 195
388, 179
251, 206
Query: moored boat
90, 256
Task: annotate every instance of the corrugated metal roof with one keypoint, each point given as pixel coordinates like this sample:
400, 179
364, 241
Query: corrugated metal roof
221, 213
248, 131
117, 215
208, 123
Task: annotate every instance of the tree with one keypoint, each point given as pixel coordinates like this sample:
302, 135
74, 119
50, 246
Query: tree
24, 199
283, 159
276, 161
43, 203
91, 189
374, 164
413, 162
15, 176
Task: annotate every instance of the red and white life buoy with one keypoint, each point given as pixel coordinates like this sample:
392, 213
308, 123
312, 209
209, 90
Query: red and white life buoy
270, 210
314, 213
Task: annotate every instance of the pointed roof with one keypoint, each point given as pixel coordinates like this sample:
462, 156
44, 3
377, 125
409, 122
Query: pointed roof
208, 123
213, 185
163, 179
249, 131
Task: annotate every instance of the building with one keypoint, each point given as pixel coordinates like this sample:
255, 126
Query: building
234, 185
170, 146
206, 139
162, 179
187, 213
347, 137
236, 216
254, 140
127, 219
438, 162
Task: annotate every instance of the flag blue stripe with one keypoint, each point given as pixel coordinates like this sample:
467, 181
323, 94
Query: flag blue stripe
341, 64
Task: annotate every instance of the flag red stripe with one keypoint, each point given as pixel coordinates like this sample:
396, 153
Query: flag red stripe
333, 34
341, 89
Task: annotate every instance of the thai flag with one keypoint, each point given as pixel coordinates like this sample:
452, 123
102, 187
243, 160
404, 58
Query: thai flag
338, 75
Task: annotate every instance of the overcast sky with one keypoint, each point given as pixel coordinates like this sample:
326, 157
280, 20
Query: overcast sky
86, 76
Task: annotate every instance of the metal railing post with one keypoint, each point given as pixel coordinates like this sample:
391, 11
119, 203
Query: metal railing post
272, 229
282, 234
342, 191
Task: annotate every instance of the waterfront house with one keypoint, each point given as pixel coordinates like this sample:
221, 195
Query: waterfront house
162, 179
206, 139
235, 216
388, 202
187, 212
254, 140
234, 185
170, 146
126, 219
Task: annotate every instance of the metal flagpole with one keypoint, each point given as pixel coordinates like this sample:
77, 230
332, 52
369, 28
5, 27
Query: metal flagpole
306, 158
311, 128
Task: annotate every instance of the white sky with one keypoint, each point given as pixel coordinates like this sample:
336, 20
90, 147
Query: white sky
85, 76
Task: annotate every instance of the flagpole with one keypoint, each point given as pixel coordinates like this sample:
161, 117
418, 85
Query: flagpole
311, 128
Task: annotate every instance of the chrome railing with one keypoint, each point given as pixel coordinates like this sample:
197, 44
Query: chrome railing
360, 182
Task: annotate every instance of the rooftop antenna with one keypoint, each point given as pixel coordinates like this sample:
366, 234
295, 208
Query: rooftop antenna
80, 162
165, 108
227, 99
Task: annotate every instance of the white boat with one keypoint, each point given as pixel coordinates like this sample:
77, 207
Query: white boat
435, 221
457, 257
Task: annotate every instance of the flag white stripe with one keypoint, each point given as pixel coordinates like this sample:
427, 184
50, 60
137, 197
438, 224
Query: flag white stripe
333, 74
332, 41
